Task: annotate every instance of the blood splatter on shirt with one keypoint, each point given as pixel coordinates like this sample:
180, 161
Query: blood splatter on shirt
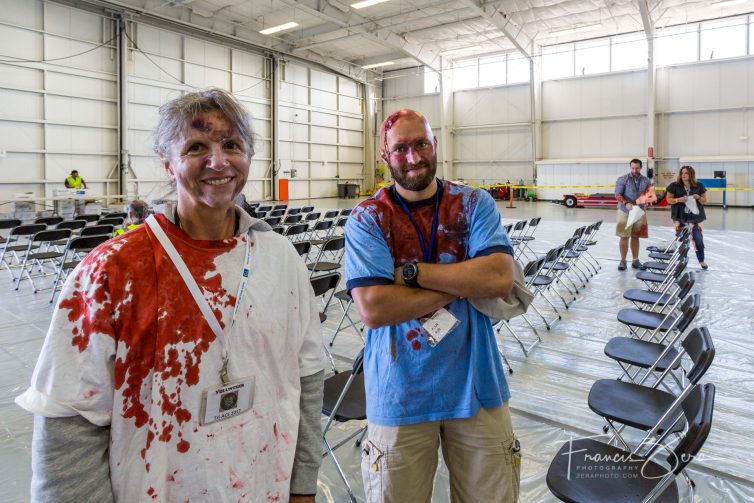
129, 348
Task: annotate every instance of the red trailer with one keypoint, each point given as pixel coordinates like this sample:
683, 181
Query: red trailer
602, 200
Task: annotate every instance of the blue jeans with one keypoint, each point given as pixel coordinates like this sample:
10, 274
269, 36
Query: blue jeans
696, 236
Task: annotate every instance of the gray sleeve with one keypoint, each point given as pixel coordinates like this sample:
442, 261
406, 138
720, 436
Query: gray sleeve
309, 447
69, 461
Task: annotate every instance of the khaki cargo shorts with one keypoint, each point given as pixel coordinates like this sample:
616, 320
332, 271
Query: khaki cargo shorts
639, 229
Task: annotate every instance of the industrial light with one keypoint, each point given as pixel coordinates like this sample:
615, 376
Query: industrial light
280, 27
462, 49
366, 3
377, 65
577, 29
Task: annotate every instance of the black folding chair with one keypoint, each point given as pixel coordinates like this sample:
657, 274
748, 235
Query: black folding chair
296, 232
48, 220
643, 406
307, 209
294, 211
292, 219
114, 221
346, 301
645, 325
273, 221
73, 254
330, 255
345, 400
99, 229
8, 223
16, 243
88, 218
302, 247
45, 254
277, 213
645, 479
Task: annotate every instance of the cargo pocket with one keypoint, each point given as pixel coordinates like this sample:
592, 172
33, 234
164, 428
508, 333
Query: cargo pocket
513, 452
373, 465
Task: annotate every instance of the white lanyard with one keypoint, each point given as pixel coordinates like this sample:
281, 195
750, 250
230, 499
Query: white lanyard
196, 292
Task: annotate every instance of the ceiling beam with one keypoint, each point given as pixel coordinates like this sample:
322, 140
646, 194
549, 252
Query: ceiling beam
359, 25
511, 29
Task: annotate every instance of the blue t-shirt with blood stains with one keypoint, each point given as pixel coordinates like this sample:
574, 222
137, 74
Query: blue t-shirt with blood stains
407, 381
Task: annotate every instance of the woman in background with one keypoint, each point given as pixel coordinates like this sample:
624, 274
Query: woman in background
683, 213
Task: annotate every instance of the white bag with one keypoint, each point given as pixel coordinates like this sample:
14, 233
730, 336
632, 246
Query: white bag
634, 215
692, 206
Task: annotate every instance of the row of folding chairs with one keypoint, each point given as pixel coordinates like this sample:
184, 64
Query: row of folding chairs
35, 251
555, 277
658, 396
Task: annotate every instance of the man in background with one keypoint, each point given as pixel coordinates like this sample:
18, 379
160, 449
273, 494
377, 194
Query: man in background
629, 188
74, 181
138, 211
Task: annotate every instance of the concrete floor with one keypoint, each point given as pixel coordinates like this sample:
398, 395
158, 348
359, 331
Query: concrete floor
549, 387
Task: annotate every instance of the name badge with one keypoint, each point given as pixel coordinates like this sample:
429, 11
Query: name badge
226, 401
439, 325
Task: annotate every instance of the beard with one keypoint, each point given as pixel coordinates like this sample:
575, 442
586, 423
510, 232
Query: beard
415, 183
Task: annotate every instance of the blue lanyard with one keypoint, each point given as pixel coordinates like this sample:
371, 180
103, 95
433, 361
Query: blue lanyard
427, 257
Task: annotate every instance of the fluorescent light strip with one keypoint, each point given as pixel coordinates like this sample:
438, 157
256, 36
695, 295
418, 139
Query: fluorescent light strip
377, 65
280, 27
578, 29
366, 3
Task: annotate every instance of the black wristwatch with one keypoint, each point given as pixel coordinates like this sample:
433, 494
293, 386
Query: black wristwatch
410, 273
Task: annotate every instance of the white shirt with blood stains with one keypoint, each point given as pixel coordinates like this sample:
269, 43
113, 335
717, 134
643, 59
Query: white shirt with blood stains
129, 348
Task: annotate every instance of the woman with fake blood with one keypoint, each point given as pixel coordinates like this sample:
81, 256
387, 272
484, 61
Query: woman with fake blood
184, 358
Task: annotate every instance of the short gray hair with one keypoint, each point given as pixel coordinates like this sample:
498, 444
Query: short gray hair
174, 115
138, 209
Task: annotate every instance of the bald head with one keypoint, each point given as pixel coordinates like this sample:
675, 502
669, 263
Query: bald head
390, 122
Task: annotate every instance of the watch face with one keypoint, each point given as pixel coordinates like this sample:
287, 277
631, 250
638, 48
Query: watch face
409, 272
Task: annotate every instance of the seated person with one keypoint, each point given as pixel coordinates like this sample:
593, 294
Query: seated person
138, 211
74, 181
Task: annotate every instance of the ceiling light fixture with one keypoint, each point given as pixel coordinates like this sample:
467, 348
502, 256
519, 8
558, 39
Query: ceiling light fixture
280, 27
377, 65
366, 3
462, 49
577, 29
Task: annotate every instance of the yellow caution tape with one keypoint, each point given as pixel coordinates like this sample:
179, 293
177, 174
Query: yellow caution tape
612, 186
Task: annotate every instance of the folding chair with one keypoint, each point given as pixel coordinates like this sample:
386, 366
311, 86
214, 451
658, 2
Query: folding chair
651, 481
515, 237
302, 247
17, 242
659, 281
307, 209
273, 221
114, 221
73, 254
115, 214
646, 407
294, 211
345, 400
319, 231
649, 300
346, 301
48, 220
587, 240
277, 213
8, 223
279, 229
279, 207
345, 212
73, 225
668, 264
331, 214
296, 232
292, 219
680, 237
645, 325
538, 283
528, 235
330, 255
321, 285
46, 254
312, 216
262, 209
554, 268
96, 230
88, 218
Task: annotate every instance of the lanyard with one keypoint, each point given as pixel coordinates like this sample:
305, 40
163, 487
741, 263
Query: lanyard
637, 185
196, 292
426, 255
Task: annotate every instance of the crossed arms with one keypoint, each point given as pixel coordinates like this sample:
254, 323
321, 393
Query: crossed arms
440, 284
